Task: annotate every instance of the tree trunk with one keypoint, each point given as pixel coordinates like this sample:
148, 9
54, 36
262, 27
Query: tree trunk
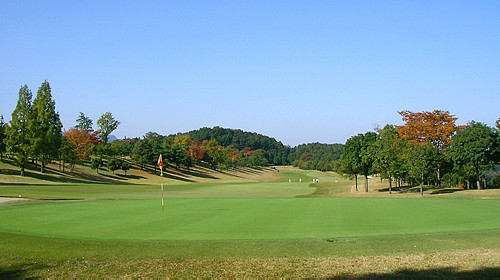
356, 176
438, 183
366, 183
422, 185
42, 167
22, 171
390, 182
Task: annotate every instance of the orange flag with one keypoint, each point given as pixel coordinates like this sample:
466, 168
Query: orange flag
160, 162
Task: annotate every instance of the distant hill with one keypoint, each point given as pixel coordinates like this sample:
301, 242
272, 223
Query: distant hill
316, 156
306, 156
275, 152
112, 138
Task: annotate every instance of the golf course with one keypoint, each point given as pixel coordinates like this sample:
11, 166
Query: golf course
246, 222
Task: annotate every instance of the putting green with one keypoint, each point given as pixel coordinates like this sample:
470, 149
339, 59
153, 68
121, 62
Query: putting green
250, 218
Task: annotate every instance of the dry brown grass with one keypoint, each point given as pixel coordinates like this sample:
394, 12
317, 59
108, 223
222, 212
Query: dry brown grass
476, 263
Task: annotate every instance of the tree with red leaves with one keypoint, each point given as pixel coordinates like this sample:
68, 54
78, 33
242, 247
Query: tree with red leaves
76, 144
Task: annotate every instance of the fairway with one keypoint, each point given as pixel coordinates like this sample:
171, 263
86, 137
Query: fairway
250, 218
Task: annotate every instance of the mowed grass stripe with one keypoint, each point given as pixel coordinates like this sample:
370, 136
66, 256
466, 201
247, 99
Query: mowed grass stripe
192, 190
250, 219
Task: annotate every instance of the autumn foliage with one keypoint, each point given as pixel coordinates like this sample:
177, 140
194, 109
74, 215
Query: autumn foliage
436, 127
78, 141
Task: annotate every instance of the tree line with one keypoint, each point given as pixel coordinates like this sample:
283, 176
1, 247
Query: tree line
428, 148
35, 133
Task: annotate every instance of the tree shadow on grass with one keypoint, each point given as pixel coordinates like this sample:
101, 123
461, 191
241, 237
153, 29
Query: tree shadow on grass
446, 190
435, 273
427, 189
21, 271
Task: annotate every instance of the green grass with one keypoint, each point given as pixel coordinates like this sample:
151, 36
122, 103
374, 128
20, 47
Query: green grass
23, 256
240, 224
193, 190
250, 219
38, 247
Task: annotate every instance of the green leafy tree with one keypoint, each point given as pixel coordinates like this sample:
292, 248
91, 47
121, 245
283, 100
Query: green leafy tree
46, 126
68, 154
147, 150
474, 146
106, 124
84, 123
142, 153
367, 155
386, 151
95, 163
123, 148
125, 167
177, 155
422, 161
350, 161
213, 152
18, 141
113, 165
3, 137
257, 158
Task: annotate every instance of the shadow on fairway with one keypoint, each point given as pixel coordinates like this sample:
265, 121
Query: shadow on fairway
437, 273
198, 173
24, 271
447, 190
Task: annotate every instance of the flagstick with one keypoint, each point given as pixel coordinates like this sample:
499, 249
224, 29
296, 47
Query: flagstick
162, 207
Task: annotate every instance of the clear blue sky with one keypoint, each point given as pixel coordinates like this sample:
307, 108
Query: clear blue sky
298, 71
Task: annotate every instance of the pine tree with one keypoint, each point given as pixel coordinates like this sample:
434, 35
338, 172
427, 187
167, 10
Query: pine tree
84, 123
19, 135
46, 126
3, 135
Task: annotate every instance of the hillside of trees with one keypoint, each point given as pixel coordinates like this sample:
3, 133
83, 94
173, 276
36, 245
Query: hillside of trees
316, 156
274, 152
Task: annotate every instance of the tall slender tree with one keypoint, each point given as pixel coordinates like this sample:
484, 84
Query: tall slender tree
386, 151
350, 161
106, 124
84, 123
3, 136
46, 126
18, 141
367, 155
422, 160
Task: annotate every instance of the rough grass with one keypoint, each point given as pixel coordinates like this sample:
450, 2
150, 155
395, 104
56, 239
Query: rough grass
456, 255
